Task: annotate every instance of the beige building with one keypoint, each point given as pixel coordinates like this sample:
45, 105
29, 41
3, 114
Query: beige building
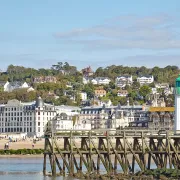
100, 92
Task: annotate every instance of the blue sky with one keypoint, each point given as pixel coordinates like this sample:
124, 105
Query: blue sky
39, 33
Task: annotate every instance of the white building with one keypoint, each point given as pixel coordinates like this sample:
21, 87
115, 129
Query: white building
122, 81
30, 89
30, 118
62, 122
10, 86
97, 80
177, 104
145, 79
83, 96
154, 90
101, 80
161, 85
87, 80
69, 122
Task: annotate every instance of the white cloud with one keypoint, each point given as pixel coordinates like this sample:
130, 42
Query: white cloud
150, 32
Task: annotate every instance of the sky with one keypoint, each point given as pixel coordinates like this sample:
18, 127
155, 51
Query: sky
99, 33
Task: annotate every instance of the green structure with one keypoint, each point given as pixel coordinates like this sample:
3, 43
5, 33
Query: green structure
178, 85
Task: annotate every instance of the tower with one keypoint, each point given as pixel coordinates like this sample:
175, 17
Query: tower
177, 104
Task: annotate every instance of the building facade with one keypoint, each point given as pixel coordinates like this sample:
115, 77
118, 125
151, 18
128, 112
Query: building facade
122, 93
101, 80
145, 79
83, 96
87, 71
122, 81
10, 86
100, 92
30, 118
45, 79
67, 122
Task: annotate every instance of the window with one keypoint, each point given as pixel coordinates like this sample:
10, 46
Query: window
38, 123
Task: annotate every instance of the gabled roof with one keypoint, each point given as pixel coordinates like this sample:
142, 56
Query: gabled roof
124, 76
147, 76
102, 78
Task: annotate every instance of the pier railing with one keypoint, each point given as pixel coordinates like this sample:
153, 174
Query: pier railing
82, 151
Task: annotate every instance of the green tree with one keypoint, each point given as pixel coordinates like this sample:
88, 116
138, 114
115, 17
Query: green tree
144, 91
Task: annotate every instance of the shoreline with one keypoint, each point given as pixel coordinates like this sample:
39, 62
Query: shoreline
21, 156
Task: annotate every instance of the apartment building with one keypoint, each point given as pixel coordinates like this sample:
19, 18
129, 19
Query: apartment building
146, 79
30, 118
122, 81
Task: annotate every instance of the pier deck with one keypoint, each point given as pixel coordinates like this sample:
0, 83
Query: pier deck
109, 150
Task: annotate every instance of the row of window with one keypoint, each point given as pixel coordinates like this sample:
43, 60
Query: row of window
22, 118
3, 130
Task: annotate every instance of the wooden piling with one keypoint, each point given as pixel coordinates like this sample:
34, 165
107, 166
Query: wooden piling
130, 149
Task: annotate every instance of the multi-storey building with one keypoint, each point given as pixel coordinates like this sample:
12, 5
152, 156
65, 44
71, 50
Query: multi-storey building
97, 80
148, 79
156, 118
101, 80
113, 116
44, 79
99, 116
122, 81
30, 118
64, 121
161, 118
100, 92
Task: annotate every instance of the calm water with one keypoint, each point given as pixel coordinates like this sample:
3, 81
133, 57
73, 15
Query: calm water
24, 169
28, 169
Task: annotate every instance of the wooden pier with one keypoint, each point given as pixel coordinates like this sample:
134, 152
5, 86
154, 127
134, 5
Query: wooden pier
110, 151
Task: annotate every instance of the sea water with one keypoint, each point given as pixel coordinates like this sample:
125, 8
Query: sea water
31, 169
24, 169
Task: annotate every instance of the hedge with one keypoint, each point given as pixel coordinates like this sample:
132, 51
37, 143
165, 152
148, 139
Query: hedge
21, 151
